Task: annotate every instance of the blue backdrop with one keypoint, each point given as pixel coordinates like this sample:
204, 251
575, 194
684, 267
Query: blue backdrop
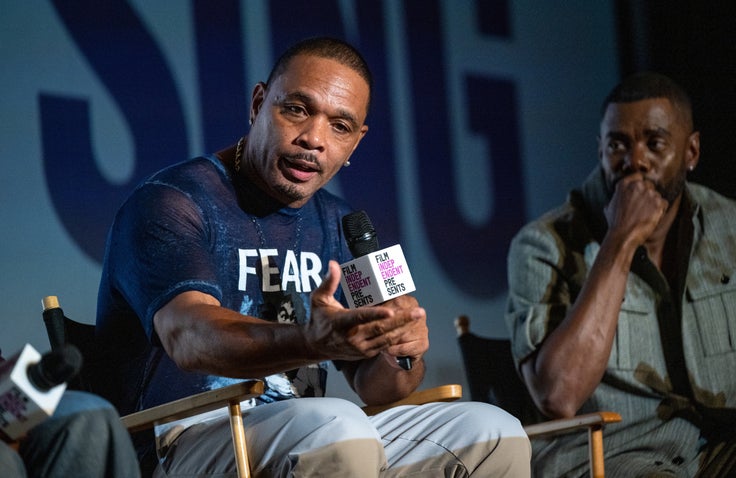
484, 115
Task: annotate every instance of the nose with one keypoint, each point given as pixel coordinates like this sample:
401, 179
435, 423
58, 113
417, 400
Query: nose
636, 160
312, 134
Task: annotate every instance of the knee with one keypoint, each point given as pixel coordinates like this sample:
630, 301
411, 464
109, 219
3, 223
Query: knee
337, 418
97, 423
324, 434
88, 433
74, 402
493, 418
478, 422
500, 441
10, 462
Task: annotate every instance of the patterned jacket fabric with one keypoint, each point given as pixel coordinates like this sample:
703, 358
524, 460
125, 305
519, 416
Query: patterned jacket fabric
548, 262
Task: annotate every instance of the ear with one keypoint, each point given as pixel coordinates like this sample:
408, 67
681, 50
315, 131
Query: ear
256, 100
363, 131
692, 154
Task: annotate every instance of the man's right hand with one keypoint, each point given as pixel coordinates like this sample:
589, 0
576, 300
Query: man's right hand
635, 209
339, 333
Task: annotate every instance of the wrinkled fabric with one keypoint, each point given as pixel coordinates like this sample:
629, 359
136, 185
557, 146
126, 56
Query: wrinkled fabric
662, 430
330, 437
84, 437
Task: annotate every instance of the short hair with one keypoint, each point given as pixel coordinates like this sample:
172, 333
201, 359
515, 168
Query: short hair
650, 85
325, 47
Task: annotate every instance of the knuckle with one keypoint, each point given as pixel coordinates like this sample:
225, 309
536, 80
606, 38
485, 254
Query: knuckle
377, 329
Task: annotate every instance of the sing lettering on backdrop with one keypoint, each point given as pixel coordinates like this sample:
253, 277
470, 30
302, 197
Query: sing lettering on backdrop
112, 36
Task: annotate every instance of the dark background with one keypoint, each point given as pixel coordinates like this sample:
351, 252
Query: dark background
695, 44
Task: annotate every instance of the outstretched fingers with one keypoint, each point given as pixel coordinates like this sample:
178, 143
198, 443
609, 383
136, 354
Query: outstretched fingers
359, 333
325, 293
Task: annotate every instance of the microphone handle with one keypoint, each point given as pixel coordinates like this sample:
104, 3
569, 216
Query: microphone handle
404, 362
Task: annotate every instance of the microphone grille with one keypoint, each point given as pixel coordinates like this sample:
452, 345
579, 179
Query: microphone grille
359, 233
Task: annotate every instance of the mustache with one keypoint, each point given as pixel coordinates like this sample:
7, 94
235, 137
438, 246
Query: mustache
303, 157
309, 157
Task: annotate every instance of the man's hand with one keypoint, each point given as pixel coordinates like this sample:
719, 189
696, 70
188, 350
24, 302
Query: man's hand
397, 327
635, 209
414, 341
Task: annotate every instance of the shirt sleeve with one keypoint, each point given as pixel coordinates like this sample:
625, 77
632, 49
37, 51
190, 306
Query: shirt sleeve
541, 290
159, 249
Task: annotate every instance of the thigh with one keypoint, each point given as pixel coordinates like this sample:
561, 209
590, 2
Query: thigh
280, 436
10, 463
74, 402
84, 437
453, 439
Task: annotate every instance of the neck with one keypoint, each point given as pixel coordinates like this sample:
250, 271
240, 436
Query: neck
252, 196
227, 156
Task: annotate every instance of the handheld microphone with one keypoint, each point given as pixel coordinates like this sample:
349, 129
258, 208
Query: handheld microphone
374, 275
31, 387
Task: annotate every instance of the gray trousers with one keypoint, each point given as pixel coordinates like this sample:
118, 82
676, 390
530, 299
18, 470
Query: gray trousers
84, 438
330, 437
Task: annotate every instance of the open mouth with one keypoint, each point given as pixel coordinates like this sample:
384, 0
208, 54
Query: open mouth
297, 169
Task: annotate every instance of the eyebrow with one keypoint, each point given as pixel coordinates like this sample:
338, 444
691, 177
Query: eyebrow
659, 131
647, 132
616, 134
305, 98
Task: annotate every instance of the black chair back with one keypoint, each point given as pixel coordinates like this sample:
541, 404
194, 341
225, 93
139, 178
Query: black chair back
97, 374
492, 377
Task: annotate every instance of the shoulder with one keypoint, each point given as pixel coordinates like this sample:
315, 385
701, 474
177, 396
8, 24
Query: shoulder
198, 176
562, 225
560, 240
189, 174
713, 255
714, 213
711, 201
178, 194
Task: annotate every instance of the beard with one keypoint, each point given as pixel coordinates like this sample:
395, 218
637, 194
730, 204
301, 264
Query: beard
290, 191
673, 188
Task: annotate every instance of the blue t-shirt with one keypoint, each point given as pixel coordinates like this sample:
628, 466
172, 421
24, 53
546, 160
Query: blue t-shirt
193, 226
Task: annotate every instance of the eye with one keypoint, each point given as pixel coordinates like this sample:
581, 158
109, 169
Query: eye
616, 146
293, 109
657, 144
341, 128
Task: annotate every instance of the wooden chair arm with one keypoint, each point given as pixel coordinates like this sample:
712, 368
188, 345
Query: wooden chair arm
593, 422
563, 425
443, 393
192, 405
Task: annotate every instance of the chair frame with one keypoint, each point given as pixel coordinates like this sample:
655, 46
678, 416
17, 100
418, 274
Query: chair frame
592, 422
229, 396
232, 395
58, 327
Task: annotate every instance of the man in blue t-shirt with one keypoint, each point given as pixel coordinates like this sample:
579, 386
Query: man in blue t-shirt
225, 267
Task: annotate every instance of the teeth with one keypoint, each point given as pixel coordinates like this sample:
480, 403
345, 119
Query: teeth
301, 167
